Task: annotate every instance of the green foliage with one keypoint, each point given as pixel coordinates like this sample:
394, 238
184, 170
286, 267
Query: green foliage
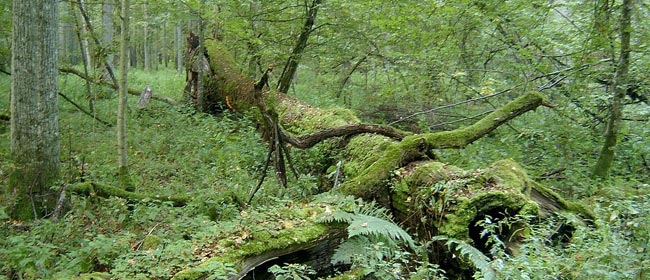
374, 244
371, 221
479, 260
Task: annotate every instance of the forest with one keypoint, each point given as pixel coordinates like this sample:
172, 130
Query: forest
324, 139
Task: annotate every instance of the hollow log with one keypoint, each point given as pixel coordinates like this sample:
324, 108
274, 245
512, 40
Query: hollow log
397, 169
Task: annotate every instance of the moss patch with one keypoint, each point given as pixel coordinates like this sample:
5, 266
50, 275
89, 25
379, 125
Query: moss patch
261, 235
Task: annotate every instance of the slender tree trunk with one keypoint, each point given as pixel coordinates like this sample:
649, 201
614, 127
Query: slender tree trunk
107, 36
92, 34
34, 109
83, 41
291, 66
145, 42
123, 170
253, 43
179, 48
67, 38
164, 56
601, 170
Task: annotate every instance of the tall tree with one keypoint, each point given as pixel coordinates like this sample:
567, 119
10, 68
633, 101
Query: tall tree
145, 41
178, 46
123, 167
620, 85
291, 66
34, 109
107, 35
85, 51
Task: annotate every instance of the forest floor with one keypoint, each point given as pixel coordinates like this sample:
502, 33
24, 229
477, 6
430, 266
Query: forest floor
217, 160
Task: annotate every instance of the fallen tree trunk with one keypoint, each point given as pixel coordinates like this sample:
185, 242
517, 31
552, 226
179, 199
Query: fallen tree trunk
106, 191
397, 169
69, 70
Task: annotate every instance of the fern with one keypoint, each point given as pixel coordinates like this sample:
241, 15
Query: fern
369, 225
365, 225
349, 249
365, 222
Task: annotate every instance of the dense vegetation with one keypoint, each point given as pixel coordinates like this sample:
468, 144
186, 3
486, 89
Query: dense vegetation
390, 63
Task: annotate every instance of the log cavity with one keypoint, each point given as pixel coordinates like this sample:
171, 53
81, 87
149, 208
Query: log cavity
506, 232
317, 257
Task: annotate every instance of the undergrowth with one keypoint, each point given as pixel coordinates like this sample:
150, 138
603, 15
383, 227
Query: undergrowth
218, 159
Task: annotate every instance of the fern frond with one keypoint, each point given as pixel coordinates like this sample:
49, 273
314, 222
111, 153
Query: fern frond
348, 249
339, 217
368, 225
471, 254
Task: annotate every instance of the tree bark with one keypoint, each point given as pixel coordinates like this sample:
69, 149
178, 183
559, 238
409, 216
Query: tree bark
179, 49
107, 35
601, 170
34, 120
123, 167
145, 40
291, 66
81, 35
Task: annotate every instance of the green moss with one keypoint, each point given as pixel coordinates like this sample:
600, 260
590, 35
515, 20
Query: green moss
151, 242
456, 222
301, 119
297, 230
509, 174
362, 151
92, 188
435, 171
124, 179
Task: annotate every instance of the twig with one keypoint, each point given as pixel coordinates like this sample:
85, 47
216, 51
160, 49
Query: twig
107, 64
449, 106
85, 111
56, 214
259, 184
460, 120
145, 237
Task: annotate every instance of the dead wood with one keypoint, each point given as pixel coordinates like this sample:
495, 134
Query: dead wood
105, 191
70, 70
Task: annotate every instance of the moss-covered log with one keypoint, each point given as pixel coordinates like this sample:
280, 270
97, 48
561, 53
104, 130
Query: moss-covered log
260, 238
432, 198
101, 190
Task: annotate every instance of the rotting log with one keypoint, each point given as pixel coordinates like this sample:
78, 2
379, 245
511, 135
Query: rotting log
398, 169
296, 229
106, 191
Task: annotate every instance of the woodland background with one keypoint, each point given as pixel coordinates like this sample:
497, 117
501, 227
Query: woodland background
420, 66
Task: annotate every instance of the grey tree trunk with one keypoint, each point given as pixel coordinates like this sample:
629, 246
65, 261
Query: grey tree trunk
34, 109
291, 66
123, 168
145, 41
83, 42
107, 35
601, 170
179, 49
